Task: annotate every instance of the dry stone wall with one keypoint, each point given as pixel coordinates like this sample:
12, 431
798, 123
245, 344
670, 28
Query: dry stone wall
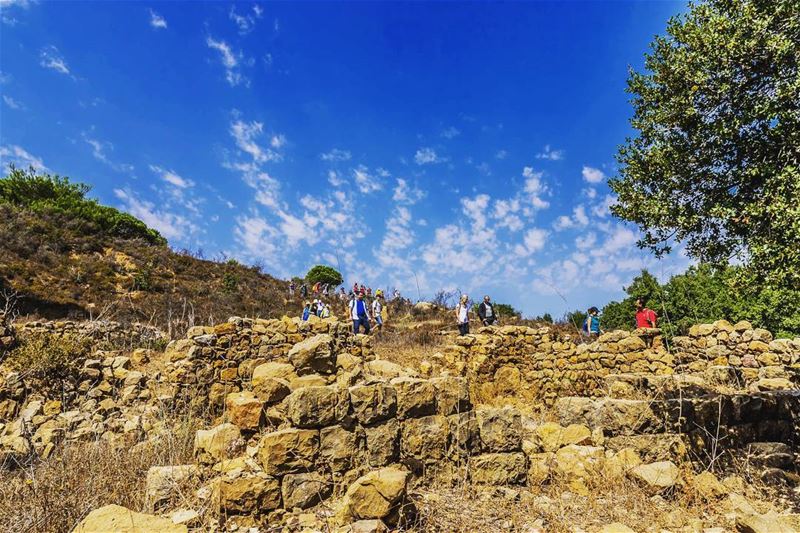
104, 333
541, 365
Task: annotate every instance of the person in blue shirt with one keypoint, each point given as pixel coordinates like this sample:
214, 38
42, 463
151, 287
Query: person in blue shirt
592, 325
306, 312
359, 313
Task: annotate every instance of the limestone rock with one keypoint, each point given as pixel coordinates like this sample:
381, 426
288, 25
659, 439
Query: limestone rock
383, 443
576, 464
304, 490
162, 481
288, 450
424, 439
244, 409
246, 493
500, 429
415, 397
217, 443
373, 402
452, 395
386, 369
498, 468
657, 477
122, 520
376, 495
312, 406
551, 436
615, 527
770, 522
708, 486
337, 447
314, 354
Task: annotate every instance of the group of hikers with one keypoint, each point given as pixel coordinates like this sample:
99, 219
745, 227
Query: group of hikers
645, 317
363, 306
366, 307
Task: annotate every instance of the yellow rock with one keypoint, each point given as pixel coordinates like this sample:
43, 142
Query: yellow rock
118, 519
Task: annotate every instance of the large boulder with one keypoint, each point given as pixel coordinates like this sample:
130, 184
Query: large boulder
500, 429
551, 436
337, 447
271, 381
383, 443
424, 439
373, 403
118, 519
376, 495
311, 407
452, 395
218, 443
314, 354
415, 397
288, 450
770, 522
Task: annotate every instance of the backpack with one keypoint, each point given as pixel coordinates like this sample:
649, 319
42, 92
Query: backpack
586, 324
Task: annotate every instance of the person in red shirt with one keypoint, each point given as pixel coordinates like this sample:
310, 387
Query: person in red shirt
645, 318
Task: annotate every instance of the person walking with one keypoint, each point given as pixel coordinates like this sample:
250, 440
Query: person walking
306, 312
359, 313
462, 315
486, 312
303, 290
291, 288
377, 310
591, 326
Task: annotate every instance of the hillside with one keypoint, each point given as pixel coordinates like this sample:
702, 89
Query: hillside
76, 258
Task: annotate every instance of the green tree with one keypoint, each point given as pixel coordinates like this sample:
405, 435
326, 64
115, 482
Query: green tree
715, 161
324, 274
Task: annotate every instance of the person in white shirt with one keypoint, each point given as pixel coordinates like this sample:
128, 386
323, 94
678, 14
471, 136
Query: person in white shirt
359, 313
377, 311
462, 315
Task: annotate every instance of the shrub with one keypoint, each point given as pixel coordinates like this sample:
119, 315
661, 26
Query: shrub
47, 355
324, 274
46, 193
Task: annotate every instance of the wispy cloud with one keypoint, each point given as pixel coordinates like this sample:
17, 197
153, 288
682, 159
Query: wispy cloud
336, 155
246, 22
99, 149
7, 5
366, 181
246, 135
170, 225
13, 104
406, 194
427, 156
593, 175
501, 154
550, 154
19, 157
157, 21
50, 57
451, 132
231, 60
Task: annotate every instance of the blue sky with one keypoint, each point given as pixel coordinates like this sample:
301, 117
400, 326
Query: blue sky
442, 144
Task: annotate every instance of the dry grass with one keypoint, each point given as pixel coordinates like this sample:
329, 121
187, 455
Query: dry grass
409, 344
54, 495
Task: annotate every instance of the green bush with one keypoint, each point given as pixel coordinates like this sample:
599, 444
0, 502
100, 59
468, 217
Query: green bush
45, 193
48, 355
230, 282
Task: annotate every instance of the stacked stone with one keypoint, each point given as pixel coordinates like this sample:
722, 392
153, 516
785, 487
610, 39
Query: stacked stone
7, 335
751, 353
535, 363
213, 361
106, 399
113, 335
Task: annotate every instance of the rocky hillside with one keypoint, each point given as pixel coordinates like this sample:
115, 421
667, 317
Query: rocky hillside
69, 257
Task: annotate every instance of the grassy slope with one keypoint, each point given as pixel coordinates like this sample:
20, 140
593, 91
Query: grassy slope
62, 266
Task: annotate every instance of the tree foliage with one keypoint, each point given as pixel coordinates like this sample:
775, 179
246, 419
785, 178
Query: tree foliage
715, 163
704, 294
324, 274
41, 192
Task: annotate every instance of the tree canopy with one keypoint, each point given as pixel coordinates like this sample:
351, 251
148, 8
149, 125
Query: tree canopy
324, 274
704, 294
715, 162
41, 192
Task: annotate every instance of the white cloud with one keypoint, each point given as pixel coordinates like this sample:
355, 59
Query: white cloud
170, 225
535, 188
533, 241
99, 149
246, 133
335, 179
404, 193
451, 132
20, 158
501, 154
585, 241
5, 5
366, 182
50, 57
172, 177
593, 175
603, 208
157, 21
247, 21
336, 155
13, 104
427, 156
230, 60
578, 219
550, 154
259, 239
278, 141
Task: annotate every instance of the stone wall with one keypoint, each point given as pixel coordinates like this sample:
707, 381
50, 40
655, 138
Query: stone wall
106, 334
541, 365
215, 360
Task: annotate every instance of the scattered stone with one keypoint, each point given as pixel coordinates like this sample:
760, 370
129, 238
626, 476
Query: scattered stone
657, 477
122, 520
